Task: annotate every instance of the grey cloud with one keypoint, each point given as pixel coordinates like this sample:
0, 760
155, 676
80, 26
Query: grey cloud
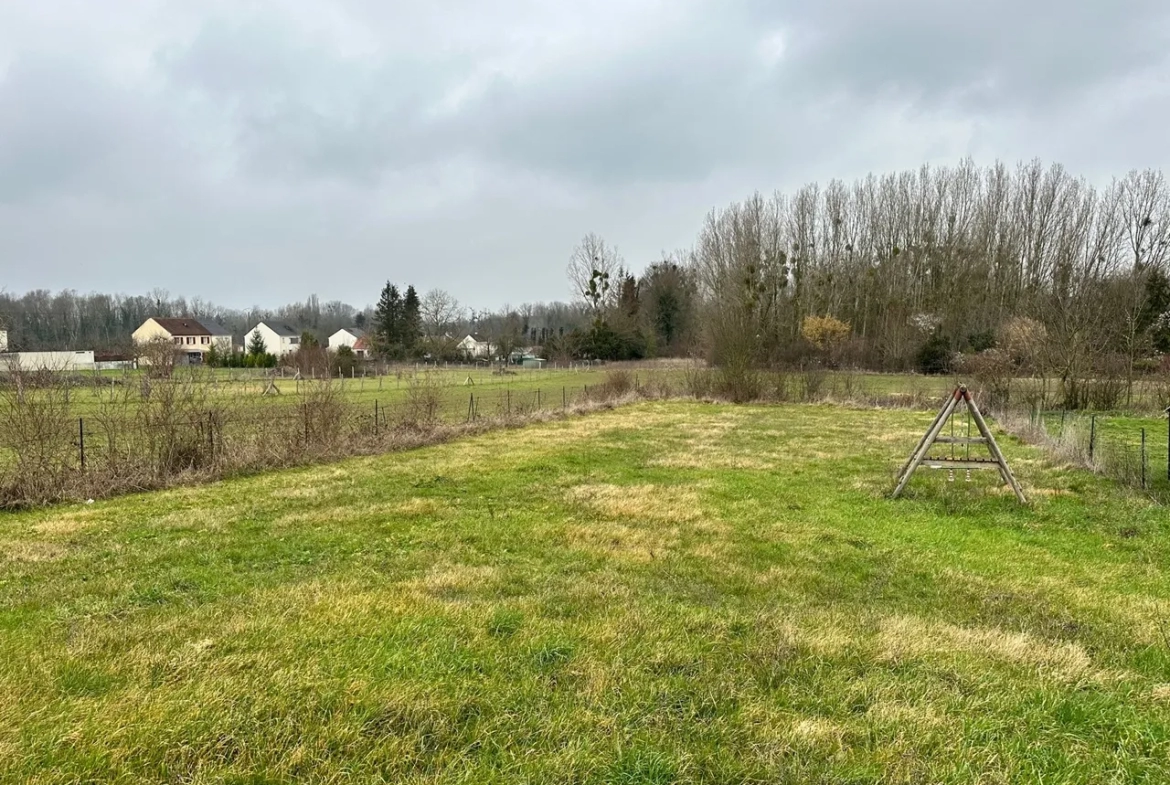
473, 145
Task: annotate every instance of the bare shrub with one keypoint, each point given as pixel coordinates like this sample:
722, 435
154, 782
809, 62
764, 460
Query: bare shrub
158, 356
778, 384
698, 381
812, 382
39, 453
169, 425
618, 382
424, 401
321, 413
993, 373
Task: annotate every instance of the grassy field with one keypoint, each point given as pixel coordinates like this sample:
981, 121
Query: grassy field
668, 592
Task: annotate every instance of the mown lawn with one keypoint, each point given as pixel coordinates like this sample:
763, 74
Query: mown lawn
669, 592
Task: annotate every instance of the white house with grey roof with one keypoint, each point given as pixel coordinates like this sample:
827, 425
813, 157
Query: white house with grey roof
346, 336
279, 339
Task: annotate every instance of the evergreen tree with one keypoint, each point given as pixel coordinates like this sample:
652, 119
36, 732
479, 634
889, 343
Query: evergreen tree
388, 318
256, 346
411, 321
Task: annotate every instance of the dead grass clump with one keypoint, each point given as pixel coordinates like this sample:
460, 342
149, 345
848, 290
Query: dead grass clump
31, 551
906, 636
640, 502
623, 541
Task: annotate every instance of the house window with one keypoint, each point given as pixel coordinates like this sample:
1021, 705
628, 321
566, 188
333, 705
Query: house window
178, 340
294, 341
190, 339
204, 340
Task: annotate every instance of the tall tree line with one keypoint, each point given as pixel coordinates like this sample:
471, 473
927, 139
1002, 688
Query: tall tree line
952, 253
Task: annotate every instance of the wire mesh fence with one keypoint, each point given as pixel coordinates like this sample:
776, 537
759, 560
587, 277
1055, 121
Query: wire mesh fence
54, 446
1134, 451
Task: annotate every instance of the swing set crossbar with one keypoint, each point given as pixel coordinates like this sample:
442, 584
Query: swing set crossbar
949, 463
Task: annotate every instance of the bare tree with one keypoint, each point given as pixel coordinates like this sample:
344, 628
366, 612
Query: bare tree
591, 267
439, 310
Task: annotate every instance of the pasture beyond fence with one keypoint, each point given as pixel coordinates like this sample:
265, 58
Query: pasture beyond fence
62, 442
1134, 451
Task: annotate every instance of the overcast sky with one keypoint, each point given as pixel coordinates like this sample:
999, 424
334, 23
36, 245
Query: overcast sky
253, 152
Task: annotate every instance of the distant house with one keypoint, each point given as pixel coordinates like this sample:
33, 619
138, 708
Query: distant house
279, 339
347, 336
362, 347
193, 338
475, 346
3, 340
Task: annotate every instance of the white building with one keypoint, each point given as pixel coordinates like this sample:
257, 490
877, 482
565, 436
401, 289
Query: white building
279, 339
193, 338
475, 346
347, 336
3, 340
47, 361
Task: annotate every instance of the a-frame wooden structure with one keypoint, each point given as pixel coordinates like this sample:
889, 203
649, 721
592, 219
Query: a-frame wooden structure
933, 436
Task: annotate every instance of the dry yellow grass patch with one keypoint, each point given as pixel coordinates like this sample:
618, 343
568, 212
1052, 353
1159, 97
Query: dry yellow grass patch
30, 551
698, 455
211, 518
67, 522
1161, 692
660, 503
447, 578
619, 540
817, 732
420, 506
908, 716
908, 636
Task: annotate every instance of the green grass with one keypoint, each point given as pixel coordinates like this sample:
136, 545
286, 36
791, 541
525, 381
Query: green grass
669, 592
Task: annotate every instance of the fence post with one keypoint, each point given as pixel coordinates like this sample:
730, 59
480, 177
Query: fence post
211, 433
81, 440
509, 393
538, 399
375, 416
1143, 459
564, 399
1168, 442
1092, 435
470, 406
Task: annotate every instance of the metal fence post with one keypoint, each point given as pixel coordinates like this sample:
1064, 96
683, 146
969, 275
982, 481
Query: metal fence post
565, 400
1092, 435
1143, 458
81, 440
375, 416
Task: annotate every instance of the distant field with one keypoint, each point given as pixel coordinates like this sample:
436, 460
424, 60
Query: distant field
667, 592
